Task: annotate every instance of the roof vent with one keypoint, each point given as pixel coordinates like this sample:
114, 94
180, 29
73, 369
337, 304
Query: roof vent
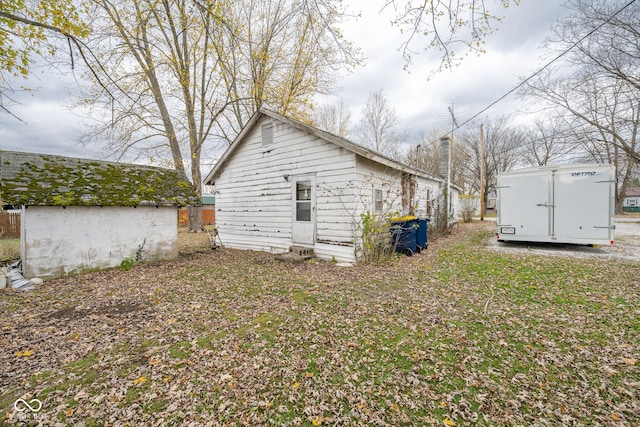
267, 134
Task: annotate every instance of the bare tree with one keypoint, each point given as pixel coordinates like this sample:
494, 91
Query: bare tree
502, 151
334, 118
605, 117
379, 126
547, 142
612, 45
185, 73
425, 155
598, 90
446, 25
281, 54
601, 88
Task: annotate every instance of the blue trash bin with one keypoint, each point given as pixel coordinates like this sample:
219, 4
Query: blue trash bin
422, 236
403, 234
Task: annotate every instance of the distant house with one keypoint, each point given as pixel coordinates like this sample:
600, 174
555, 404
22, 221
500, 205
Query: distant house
283, 183
80, 215
631, 201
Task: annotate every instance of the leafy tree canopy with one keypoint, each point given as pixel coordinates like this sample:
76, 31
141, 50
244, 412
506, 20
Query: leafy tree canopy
25, 26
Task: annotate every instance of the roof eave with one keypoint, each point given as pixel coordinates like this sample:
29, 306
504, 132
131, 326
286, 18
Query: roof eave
341, 142
211, 176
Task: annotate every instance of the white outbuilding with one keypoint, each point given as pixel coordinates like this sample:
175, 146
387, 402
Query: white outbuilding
283, 183
80, 215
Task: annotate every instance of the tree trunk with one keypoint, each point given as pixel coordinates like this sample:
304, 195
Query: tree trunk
195, 219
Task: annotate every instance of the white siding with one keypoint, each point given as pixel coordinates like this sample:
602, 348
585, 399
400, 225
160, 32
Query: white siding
254, 201
56, 242
254, 208
372, 175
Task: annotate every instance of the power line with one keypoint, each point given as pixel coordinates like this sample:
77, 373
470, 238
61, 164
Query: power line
547, 65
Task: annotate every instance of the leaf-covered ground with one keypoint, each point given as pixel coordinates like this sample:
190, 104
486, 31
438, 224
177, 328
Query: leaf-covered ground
462, 335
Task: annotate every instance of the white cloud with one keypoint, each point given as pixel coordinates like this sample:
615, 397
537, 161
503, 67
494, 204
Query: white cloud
422, 104
513, 51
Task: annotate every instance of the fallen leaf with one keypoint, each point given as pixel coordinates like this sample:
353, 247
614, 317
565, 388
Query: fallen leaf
295, 385
81, 395
629, 361
140, 380
449, 422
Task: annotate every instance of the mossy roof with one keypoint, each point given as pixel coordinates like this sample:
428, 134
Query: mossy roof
46, 180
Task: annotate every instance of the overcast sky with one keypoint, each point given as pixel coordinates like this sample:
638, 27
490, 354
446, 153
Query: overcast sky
513, 51
422, 104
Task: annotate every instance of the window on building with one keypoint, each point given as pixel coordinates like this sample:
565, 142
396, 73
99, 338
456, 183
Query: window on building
303, 201
377, 200
632, 202
267, 134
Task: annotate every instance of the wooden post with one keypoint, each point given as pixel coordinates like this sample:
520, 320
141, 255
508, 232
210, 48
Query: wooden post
482, 207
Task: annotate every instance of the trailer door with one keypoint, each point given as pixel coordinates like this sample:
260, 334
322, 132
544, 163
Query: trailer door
524, 207
577, 217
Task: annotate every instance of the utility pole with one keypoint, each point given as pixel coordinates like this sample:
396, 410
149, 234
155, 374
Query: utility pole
482, 207
454, 125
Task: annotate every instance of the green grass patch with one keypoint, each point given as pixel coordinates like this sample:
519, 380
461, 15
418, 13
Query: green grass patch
80, 366
466, 335
180, 350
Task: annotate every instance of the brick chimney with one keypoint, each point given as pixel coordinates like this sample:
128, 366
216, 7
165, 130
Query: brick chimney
445, 153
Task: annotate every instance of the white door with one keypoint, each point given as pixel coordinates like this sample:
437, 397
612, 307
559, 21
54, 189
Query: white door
304, 210
525, 205
577, 217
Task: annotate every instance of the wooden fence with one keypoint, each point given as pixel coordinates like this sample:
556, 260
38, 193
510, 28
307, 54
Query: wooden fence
9, 225
208, 217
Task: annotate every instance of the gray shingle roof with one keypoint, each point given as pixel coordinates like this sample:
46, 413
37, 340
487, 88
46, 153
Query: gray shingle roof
47, 180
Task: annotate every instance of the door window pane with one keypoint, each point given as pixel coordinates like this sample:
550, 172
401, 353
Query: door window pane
303, 201
303, 211
303, 190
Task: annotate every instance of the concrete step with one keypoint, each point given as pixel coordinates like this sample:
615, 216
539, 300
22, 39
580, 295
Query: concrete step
301, 251
297, 254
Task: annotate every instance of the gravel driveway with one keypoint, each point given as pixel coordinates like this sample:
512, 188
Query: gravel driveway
626, 247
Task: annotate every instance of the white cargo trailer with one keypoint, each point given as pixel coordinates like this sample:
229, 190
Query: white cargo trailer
557, 204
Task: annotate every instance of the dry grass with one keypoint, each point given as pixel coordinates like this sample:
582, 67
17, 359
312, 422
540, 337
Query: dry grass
9, 250
459, 335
